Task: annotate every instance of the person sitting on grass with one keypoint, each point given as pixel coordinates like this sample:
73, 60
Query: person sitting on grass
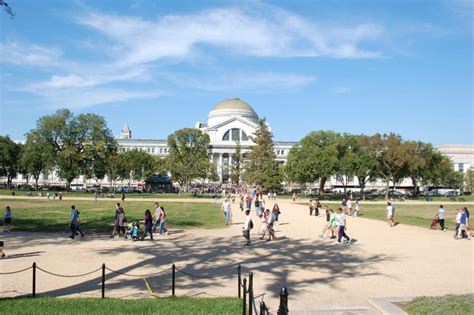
148, 225
8, 219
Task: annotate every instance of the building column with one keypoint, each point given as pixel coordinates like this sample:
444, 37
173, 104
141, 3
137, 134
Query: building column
221, 166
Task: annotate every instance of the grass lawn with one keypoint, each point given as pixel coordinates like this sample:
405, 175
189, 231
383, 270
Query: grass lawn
419, 215
52, 306
451, 304
53, 216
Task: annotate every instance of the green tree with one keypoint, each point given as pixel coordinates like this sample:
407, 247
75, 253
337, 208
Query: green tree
77, 142
261, 168
364, 160
391, 159
314, 158
115, 168
419, 158
469, 181
237, 163
36, 157
138, 165
189, 156
10, 153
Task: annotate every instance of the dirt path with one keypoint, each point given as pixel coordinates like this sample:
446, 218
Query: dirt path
384, 262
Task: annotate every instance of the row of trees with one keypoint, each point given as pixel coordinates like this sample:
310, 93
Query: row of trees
368, 158
84, 145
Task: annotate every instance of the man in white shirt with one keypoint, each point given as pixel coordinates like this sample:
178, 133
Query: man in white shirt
390, 214
247, 227
441, 216
349, 206
341, 224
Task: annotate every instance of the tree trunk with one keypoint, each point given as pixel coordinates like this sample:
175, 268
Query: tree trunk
415, 186
36, 182
322, 183
387, 188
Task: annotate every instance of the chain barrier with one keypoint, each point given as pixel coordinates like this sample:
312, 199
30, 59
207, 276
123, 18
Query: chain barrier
68, 276
223, 275
15, 272
137, 276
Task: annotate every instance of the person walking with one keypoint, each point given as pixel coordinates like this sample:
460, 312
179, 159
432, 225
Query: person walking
349, 206
248, 226
441, 217
226, 206
74, 222
2, 254
458, 223
331, 225
117, 226
311, 207
271, 226
390, 214
148, 225
78, 228
8, 219
123, 197
156, 217
162, 219
341, 225
317, 208
356, 212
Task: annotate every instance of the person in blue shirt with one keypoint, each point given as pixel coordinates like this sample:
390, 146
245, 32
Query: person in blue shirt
463, 233
74, 222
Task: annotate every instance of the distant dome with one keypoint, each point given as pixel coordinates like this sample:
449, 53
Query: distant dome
231, 107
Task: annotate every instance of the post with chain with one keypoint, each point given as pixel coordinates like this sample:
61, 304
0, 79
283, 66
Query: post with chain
173, 281
251, 293
283, 309
239, 275
263, 309
103, 281
34, 280
244, 309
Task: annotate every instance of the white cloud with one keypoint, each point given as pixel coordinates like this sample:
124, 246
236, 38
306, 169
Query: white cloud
84, 98
29, 55
341, 90
242, 81
273, 33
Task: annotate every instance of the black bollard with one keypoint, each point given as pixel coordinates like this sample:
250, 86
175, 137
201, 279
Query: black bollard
263, 309
251, 293
244, 309
103, 281
239, 276
34, 279
283, 309
173, 283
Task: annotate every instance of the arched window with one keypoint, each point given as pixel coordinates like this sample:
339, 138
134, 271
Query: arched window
235, 134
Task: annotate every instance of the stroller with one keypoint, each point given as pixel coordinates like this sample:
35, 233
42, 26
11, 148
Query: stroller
132, 231
434, 224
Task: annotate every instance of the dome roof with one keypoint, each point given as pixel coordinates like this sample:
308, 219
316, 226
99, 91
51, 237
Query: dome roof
233, 103
231, 107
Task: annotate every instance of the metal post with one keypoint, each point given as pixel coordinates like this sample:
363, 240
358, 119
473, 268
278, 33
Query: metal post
103, 281
283, 309
239, 274
251, 293
244, 311
34, 279
263, 308
173, 282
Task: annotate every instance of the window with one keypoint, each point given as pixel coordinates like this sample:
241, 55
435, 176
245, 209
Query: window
226, 136
235, 134
461, 167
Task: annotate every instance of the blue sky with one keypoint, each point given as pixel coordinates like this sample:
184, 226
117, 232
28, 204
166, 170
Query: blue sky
349, 66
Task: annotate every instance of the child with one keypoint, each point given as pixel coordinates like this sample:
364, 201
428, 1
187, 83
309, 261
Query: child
135, 231
263, 226
8, 219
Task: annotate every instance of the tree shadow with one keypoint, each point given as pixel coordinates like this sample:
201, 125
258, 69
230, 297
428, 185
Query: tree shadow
212, 261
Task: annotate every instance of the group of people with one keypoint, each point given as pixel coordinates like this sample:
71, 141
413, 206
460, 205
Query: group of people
336, 225
269, 220
151, 223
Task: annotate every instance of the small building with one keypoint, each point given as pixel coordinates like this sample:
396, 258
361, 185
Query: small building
159, 184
